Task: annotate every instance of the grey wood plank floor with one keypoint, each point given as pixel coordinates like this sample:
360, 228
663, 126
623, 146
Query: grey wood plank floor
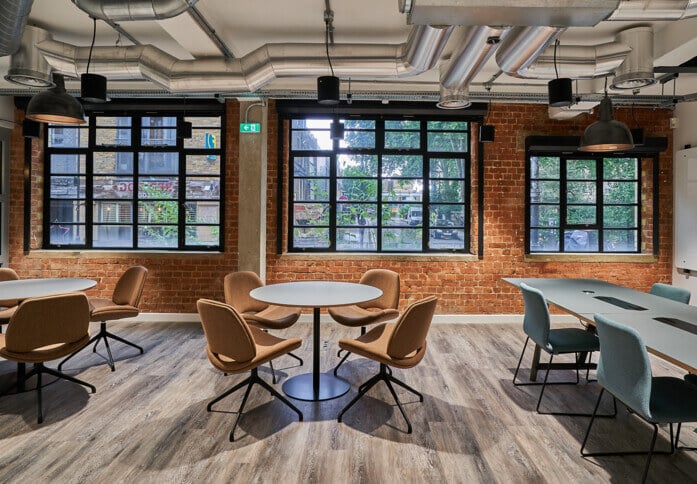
148, 420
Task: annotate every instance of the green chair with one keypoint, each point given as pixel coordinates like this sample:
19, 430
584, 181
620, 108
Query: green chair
624, 370
536, 324
671, 292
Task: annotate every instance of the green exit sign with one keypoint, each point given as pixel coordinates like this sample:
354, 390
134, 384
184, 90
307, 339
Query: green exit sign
250, 128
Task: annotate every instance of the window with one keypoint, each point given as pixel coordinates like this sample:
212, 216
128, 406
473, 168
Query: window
127, 181
584, 204
390, 185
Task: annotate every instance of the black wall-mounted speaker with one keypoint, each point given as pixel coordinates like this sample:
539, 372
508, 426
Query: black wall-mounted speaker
486, 133
31, 129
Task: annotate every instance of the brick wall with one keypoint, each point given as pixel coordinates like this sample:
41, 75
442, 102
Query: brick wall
176, 281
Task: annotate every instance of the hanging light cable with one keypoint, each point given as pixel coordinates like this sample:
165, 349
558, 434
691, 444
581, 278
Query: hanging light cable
93, 86
606, 134
559, 90
328, 86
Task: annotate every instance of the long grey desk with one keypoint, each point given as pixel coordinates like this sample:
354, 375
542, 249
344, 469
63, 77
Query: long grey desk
668, 328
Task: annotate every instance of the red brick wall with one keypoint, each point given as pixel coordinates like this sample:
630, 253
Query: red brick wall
176, 281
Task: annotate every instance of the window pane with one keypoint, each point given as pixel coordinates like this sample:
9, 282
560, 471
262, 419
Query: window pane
580, 170
204, 121
357, 165
109, 162
620, 216
112, 187
203, 212
158, 163
447, 125
446, 238
316, 238
311, 166
202, 187
67, 187
544, 167
621, 168
402, 166
620, 241
310, 214
63, 164
447, 191
157, 236
159, 187
450, 142
580, 215
620, 192
112, 211
394, 214
202, 165
160, 212
203, 235
203, 138
544, 216
112, 236
67, 211
448, 168
67, 137
544, 240
402, 240
544, 192
402, 190
67, 234
119, 121
316, 137
403, 124
113, 136
358, 123
356, 239
311, 189
358, 139
402, 140
358, 214
159, 137
581, 241
357, 189
580, 192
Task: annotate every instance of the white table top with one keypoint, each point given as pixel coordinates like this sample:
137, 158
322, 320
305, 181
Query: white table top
315, 294
26, 288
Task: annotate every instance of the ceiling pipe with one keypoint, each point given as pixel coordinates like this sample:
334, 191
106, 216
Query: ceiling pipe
13, 18
577, 61
27, 66
120, 10
522, 46
654, 10
419, 53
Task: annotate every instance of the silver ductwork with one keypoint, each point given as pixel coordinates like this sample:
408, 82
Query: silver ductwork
578, 61
27, 66
654, 10
522, 46
419, 53
637, 69
13, 18
123, 10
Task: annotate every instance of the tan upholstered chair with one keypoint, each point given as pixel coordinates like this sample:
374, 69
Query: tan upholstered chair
235, 347
400, 345
376, 311
44, 329
123, 304
7, 306
237, 286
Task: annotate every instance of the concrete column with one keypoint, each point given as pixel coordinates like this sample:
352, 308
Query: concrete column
252, 183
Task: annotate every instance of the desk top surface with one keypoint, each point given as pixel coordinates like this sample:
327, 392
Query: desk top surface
26, 288
316, 294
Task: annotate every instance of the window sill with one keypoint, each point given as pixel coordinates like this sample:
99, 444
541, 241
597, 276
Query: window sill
394, 257
628, 258
99, 254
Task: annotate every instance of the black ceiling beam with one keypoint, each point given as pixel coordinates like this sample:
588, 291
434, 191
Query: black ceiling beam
675, 69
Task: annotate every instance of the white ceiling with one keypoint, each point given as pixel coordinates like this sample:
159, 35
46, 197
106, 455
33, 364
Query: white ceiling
244, 25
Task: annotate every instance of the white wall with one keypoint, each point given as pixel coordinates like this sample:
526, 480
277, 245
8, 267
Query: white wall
685, 134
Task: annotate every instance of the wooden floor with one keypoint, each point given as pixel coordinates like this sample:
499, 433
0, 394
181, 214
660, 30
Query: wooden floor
148, 420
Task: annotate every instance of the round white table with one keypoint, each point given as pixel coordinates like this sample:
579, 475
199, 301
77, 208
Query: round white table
26, 288
315, 386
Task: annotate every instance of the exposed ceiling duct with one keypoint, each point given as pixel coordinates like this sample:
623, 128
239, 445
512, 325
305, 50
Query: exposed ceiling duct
124, 10
638, 10
27, 66
637, 69
578, 61
522, 46
419, 53
13, 18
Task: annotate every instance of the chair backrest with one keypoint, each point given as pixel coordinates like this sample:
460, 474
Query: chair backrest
237, 286
624, 368
129, 287
412, 328
7, 274
388, 282
536, 322
226, 331
667, 291
48, 320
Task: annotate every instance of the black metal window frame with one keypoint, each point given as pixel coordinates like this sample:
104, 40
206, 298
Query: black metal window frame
137, 110
379, 150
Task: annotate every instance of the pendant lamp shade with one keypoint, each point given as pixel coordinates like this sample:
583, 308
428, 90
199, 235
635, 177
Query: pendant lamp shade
328, 90
606, 134
93, 88
55, 105
560, 92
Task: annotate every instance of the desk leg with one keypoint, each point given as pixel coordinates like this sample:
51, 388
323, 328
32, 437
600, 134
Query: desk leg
315, 386
535, 363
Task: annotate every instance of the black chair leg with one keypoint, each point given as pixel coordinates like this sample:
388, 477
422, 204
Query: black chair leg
232, 390
103, 335
273, 373
293, 355
92, 340
361, 391
341, 362
399, 404
40, 418
241, 409
677, 440
274, 393
59, 374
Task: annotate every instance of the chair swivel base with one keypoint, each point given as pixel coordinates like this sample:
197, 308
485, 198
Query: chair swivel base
273, 373
385, 374
38, 370
103, 335
249, 382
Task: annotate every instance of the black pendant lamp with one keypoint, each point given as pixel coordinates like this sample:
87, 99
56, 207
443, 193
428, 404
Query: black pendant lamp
559, 90
606, 134
93, 86
328, 92
55, 105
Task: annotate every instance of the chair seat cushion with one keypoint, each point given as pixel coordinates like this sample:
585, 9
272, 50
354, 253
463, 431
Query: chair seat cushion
47, 353
673, 400
374, 343
355, 316
572, 340
273, 317
268, 347
102, 309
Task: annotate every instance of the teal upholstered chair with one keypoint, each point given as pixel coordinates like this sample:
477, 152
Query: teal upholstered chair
667, 291
536, 324
624, 370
